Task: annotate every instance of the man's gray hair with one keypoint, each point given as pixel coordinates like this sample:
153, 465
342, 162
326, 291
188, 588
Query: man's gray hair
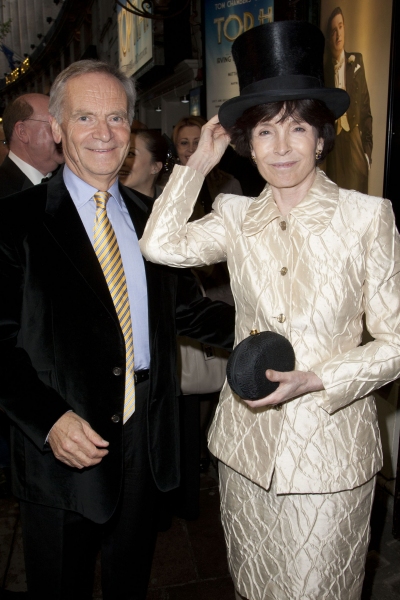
83, 67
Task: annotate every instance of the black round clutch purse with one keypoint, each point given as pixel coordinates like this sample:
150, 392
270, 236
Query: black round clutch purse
250, 359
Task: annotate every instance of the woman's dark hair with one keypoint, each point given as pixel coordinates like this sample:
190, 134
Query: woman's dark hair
313, 112
336, 11
155, 143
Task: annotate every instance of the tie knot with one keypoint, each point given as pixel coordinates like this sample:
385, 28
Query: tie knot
101, 199
338, 63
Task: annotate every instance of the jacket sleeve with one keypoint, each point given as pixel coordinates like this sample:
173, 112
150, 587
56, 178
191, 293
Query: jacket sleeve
169, 239
211, 322
363, 369
29, 403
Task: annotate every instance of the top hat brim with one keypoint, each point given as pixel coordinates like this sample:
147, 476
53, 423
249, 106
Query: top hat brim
337, 100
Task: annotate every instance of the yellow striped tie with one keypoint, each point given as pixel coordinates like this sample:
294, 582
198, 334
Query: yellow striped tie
107, 251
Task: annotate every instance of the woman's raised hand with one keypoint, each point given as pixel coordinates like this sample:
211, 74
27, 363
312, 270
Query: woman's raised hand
212, 144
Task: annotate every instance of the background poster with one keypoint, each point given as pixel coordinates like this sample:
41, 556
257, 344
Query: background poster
367, 27
135, 40
224, 22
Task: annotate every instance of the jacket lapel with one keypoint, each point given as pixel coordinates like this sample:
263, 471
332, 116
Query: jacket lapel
138, 210
26, 184
16, 177
349, 74
64, 224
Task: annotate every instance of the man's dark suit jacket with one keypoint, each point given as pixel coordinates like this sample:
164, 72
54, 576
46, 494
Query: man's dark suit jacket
12, 179
60, 340
359, 111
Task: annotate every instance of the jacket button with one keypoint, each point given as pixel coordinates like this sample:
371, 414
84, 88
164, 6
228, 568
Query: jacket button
284, 270
278, 407
117, 371
115, 418
281, 318
282, 225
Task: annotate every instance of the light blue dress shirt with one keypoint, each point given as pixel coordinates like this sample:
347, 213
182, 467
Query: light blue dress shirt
82, 196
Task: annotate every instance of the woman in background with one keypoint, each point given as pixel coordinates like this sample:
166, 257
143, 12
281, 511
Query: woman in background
144, 163
186, 137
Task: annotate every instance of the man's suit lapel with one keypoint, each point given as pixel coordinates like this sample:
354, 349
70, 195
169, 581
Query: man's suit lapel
64, 224
16, 177
27, 183
349, 74
138, 210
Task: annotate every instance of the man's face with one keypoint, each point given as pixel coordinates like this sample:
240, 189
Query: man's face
94, 130
336, 38
43, 153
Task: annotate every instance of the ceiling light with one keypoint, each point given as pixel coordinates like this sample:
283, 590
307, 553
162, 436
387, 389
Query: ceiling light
184, 99
158, 109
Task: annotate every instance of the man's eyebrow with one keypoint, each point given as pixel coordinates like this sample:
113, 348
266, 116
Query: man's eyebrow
79, 112
82, 112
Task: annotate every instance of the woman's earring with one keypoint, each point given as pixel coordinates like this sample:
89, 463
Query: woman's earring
253, 158
318, 155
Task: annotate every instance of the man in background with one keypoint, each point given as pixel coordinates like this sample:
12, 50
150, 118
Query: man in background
33, 154
28, 154
349, 163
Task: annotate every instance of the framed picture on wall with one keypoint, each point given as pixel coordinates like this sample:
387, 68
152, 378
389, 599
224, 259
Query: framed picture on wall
357, 59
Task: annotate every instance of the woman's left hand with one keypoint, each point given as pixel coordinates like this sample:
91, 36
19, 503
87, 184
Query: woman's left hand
291, 385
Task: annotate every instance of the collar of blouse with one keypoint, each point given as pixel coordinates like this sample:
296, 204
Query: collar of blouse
314, 212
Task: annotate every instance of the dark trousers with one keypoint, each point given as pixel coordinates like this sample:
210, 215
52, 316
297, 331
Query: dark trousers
61, 546
347, 165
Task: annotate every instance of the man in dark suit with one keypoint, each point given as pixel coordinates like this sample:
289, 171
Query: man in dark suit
33, 153
349, 163
95, 431
30, 154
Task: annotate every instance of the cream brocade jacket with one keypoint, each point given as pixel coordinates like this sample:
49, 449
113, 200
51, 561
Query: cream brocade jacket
309, 276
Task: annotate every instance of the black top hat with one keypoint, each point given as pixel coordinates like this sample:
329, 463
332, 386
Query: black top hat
280, 61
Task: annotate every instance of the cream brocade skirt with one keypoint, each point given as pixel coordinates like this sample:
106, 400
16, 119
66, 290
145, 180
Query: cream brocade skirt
295, 546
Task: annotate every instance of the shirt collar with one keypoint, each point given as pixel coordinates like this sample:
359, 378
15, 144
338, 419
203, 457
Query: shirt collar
30, 172
314, 212
81, 192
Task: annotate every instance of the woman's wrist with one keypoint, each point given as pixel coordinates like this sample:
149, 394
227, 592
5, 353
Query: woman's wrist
201, 163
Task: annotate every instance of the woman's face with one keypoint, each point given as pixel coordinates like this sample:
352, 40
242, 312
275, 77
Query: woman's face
285, 151
139, 169
187, 142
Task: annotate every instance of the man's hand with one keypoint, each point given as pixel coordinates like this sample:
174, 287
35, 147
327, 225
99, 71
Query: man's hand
291, 385
75, 443
212, 145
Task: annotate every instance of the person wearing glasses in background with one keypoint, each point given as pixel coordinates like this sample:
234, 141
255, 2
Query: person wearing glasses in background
28, 154
33, 154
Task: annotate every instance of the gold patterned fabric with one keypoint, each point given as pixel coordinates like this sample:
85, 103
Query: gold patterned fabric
342, 255
295, 546
107, 251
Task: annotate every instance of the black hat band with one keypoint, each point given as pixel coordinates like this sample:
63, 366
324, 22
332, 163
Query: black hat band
284, 82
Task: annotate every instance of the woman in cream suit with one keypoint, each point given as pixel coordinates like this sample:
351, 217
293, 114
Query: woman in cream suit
307, 260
